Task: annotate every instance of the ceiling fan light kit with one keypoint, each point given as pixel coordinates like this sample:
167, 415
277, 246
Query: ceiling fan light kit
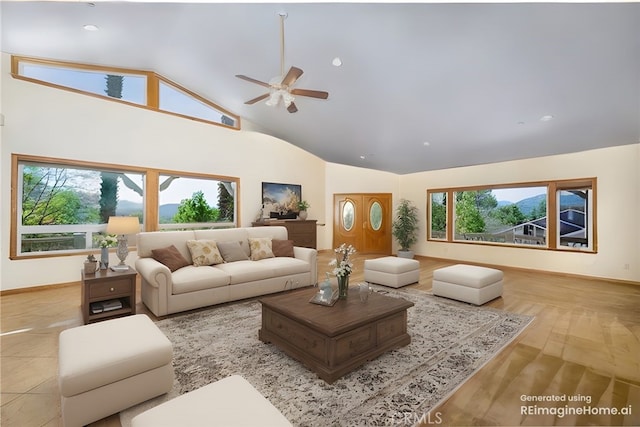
280, 88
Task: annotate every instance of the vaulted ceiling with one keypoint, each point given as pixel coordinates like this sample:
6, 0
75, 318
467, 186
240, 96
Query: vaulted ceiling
421, 86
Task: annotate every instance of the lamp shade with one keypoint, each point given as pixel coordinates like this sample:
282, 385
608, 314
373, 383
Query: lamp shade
123, 225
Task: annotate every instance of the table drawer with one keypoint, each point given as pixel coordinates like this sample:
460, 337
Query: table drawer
355, 343
113, 287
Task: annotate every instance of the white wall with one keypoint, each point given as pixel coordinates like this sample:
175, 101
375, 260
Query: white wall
618, 208
44, 121
49, 122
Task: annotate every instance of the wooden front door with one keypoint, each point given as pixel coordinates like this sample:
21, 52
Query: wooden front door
364, 221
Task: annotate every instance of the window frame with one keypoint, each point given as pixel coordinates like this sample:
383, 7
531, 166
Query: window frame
152, 89
150, 199
552, 233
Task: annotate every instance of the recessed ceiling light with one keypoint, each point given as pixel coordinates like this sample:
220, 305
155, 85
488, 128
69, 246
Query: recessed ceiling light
546, 118
90, 27
337, 62
426, 144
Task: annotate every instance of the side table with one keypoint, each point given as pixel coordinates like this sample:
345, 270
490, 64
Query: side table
107, 285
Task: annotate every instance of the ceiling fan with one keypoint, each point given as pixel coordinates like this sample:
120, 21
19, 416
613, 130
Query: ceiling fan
280, 88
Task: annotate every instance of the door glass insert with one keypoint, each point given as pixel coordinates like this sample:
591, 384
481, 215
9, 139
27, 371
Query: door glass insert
375, 216
348, 215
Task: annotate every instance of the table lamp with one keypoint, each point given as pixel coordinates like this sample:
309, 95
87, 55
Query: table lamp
121, 226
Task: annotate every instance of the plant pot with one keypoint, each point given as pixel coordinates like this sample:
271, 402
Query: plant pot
302, 215
405, 254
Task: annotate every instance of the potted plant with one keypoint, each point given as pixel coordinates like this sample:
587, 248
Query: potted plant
303, 205
405, 226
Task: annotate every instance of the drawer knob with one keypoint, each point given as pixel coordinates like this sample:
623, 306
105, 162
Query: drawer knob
112, 289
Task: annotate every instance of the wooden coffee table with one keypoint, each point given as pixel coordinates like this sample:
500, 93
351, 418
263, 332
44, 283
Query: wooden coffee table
332, 341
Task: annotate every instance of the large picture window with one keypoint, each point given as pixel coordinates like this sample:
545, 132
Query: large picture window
62, 206
550, 215
196, 202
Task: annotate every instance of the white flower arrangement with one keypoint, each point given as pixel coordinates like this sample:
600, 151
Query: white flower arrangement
107, 241
342, 265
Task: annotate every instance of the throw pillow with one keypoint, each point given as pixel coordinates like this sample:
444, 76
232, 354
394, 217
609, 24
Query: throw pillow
232, 251
204, 252
282, 247
170, 256
260, 248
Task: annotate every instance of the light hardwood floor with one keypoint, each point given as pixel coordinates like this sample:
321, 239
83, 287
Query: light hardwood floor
584, 341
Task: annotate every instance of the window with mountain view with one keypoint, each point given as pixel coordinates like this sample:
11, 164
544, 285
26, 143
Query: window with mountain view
200, 202
63, 206
520, 215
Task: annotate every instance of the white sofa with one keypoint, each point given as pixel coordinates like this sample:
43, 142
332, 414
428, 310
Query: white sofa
165, 292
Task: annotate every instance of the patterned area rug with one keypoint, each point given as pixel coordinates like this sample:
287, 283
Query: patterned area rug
449, 342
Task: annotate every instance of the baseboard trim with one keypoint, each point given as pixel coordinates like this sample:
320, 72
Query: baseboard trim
37, 288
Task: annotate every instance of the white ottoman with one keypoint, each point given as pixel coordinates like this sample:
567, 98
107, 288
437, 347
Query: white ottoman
229, 402
392, 271
109, 366
468, 283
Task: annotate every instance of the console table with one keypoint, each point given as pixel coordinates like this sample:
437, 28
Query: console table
302, 232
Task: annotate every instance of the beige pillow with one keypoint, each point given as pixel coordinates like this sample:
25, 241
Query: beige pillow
232, 251
260, 248
204, 252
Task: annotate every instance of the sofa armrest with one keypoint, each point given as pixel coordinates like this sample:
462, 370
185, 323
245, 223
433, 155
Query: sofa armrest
155, 275
311, 256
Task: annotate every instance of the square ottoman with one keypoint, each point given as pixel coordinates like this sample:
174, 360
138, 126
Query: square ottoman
109, 366
230, 402
392, 271
468, 283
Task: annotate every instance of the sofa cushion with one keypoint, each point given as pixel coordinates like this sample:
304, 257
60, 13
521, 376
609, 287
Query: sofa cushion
282, 247
204, 252
232, 251
246, 271
260, 248
191, 278
284, 266
171, 257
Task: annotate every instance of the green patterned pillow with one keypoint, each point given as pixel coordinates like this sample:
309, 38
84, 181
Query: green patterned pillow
260, 248
204, 252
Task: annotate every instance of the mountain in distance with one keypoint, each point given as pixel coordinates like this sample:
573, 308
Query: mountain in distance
530, 203
127, 207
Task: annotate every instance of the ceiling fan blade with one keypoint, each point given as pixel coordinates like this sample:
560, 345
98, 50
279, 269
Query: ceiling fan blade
292, 108
249, 79
311, 93
291, 77
257, 99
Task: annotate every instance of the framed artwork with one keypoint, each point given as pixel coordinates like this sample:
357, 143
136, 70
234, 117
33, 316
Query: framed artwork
280, 200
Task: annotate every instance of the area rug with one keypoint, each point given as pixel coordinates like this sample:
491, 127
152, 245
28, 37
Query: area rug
449, 342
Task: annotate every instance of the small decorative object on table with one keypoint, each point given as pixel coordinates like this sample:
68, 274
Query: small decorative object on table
105, 242
343, 266
365, 289
90, 265
326, 295
303, 205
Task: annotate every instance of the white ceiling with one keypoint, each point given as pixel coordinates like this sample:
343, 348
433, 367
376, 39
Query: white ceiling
472, 80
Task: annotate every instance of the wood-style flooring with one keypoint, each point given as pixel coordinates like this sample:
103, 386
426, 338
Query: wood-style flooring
583, 344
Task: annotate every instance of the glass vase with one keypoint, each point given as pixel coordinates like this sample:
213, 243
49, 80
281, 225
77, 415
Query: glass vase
104, 258
343, 287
